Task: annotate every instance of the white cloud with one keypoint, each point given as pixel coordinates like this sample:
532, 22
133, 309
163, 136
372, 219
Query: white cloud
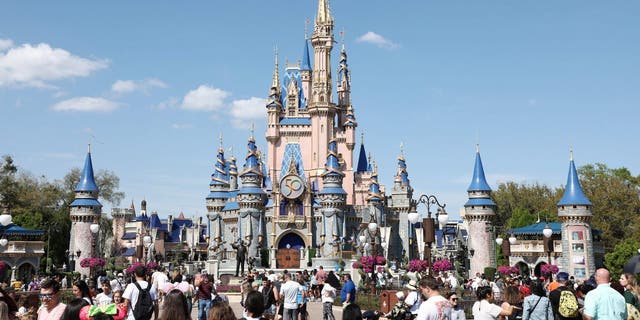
169, 103
378, 40
179, 126
5, 44
35, 66
204, 98
128, 86
244, 111
86, 104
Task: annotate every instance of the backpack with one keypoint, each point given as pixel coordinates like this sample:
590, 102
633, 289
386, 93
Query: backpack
143, 310
568, 304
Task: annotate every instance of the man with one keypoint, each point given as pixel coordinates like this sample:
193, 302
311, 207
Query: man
106, 296
554, 296
413, 299
476, 281
130, 294
289, 294
328, 294
348, 292
604, 302
118, 283
436, 307
52, 308
203, 293
453, 281
321, 275
241, 253
158, 279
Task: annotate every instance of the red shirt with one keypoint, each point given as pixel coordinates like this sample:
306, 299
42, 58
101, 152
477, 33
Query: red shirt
525, 291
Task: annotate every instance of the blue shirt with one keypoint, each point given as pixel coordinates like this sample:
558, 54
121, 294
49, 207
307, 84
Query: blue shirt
348, 287
605, 303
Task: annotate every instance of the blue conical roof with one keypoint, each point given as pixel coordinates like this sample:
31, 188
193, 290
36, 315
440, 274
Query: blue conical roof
374, 189
87, 183
219, 176
362, 160
332, 159
478, 182
573, 194
306, 65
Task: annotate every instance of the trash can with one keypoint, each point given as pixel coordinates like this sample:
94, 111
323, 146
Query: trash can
388, 299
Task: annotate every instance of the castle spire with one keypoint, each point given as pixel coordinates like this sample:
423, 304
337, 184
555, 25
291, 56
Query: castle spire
402, 176
306, 61
219, 176
87, 182
363, 164
478, 182
324, 12
275, 83
573, 194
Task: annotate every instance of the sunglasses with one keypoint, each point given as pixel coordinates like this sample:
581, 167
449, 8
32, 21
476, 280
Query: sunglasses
454, 299
45, 295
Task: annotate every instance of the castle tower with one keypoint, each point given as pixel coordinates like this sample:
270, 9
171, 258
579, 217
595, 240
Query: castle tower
217, 198
344, 87
400, 204
305, 68
274, 106
479, 211
120, 218
333, 200
574, 211
374, 212
251, 200
85, 210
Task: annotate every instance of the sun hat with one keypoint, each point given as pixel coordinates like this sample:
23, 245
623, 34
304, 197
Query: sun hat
400, 295
411, 285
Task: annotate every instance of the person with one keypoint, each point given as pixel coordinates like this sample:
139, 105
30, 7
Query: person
302, 299
436, 307
452, 281
254, 306
186, 282
537, 306
158, 279
270, 295
413, 298
106, 296
81, 290
131, 292
118, 283
72, 310
289, 295
117, 299
352, 312
174, 306
457, 312
4, 311
484, 309
241, 254
29, 304
52, 308
512, 297
562, 278
399, 310
631, 289
203, 295
221, 311
328, 295
603, 302
348, 292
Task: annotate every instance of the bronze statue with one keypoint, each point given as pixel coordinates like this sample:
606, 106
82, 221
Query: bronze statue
241, 254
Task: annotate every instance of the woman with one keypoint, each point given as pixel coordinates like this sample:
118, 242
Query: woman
29, 307
81, 290
271, 293
302, 300
457, 313
631, 289
221, 311
4, 311
537, 306
512, 297
174, 307
72, 311
484, 309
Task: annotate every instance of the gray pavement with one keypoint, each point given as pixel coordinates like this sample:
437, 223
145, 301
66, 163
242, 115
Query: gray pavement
314, 309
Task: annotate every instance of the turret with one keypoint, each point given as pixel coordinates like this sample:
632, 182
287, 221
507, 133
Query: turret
305, 68
322, 40
85, 210
479, 211
344, 87
274, 102
574, 211
218, 195
333, 200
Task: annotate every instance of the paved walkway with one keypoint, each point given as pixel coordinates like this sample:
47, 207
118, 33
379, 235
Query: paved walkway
314, 309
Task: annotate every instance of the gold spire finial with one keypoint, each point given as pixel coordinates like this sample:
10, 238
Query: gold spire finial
401, 149
253, 126
477, 148
571, 154
342, 38
306, 29
276, 74
362, 137
89, 147
220, 139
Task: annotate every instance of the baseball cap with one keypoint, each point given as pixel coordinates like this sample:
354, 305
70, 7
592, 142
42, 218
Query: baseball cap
562, 276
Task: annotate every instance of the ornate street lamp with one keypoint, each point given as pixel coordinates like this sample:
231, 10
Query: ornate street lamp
5, 220
413, 218
428, 223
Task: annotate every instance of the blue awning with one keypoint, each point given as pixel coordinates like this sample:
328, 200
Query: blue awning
130, 252
129, 236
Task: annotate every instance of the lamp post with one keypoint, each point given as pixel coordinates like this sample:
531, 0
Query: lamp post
95, 228
548, 241
506, 245
147, 245
428, 223
5, 220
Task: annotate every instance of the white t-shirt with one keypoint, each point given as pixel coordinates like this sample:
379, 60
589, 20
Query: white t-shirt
102, 299
413, 301
117, 284
328, 293
131, 294
159, 278
435, 308
290, 292
453, 281
483, 310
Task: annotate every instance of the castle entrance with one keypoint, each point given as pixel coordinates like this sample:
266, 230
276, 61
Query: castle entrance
288, 254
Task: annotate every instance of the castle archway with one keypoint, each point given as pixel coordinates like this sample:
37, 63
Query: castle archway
290, 250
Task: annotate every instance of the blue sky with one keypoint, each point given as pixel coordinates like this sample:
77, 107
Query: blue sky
152, 84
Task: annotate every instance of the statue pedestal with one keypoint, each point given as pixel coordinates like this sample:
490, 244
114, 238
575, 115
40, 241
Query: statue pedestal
328, 263
213, 267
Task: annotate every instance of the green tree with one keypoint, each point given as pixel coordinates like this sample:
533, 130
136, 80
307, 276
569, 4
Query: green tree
521, 199
614, 194
623, 251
